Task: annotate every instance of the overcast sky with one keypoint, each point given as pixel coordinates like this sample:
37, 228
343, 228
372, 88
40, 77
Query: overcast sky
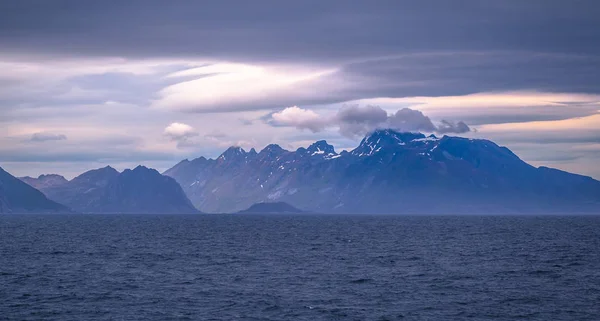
85, 84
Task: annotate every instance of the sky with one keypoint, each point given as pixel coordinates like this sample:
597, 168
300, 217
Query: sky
85, 84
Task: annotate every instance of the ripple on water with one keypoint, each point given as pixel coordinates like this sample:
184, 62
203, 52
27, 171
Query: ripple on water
299, 268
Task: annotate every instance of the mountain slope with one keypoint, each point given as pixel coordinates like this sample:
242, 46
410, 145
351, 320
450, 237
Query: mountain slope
18, 197
142, 190
83, 189
44, 181
138, 191
389, 172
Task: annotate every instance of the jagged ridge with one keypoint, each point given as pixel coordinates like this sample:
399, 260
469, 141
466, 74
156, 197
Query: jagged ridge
389, 172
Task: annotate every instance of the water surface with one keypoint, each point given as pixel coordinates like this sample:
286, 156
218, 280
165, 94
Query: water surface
210, 267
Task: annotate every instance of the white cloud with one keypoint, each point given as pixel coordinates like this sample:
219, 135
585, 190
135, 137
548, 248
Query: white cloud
179, 131
300, 118
517, 99
227, 86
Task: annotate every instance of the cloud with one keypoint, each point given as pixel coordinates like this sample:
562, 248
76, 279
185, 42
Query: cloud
310, 30
254, 59
299, 118
43, 137
233, 87
353, 121
246, 122
179, 132
221, 140
450, 127
356, 120
507, 99
410, 120
215, 135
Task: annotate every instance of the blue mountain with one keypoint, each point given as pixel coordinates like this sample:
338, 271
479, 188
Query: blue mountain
18, 197
388, 172
138, 191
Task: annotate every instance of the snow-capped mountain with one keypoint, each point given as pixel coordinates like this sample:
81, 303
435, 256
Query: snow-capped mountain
389, 172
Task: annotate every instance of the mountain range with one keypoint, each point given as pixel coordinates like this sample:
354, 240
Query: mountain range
389, 172
18, 197
105, 190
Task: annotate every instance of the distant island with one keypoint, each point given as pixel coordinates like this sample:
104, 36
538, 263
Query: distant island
17, 197
271, 208
138, 191
389, 172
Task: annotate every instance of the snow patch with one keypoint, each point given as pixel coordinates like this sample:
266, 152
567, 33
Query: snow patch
426, 139
325, 190
274, 196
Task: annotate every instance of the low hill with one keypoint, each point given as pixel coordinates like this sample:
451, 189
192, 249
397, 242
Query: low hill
271, 208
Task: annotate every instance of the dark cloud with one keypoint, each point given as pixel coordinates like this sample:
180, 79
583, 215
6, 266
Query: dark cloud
461, 72
356, 114
354, 121
382, 49
410, 120
43, 137
308, 30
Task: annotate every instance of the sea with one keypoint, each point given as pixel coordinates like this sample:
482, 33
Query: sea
299, 267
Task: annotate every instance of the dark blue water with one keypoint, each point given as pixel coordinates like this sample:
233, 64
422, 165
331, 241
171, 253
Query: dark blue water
299, 268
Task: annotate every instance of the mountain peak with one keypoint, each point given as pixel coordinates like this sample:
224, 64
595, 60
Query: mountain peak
107, 170
384, 139
399, 136
272, 149
51, 176
142, 168
232, 152
321, 147
97, 174
44, 180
